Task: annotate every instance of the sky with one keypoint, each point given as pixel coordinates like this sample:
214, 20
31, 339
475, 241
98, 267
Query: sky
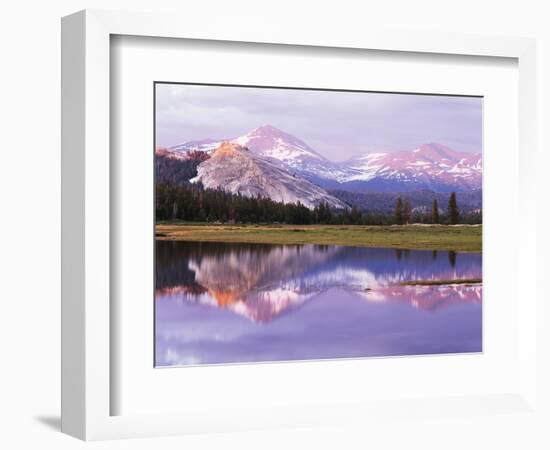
339, 125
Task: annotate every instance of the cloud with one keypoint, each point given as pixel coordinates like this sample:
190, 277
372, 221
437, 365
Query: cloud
337, 124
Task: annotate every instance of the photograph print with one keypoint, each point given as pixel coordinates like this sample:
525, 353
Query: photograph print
307, 224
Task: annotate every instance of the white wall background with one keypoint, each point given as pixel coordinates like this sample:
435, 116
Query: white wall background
30, 196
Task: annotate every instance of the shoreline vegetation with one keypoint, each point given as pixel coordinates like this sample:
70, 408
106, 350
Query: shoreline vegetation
458, 238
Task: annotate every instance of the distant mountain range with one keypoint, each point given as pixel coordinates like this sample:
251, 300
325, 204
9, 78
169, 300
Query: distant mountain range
430, 166
272, 163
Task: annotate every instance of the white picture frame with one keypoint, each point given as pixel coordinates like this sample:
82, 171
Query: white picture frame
86, 220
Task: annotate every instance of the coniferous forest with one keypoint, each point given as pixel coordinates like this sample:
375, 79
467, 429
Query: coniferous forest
176, 198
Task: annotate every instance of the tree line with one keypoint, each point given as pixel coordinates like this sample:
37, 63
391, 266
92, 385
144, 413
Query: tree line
178, 199
403, 214
194, 203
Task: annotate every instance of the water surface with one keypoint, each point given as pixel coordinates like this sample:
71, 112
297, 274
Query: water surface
234, 303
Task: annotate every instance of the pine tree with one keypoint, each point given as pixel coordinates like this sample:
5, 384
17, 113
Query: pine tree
406, 212
174, 210
435, 212
355, 215
398, 215
454, 216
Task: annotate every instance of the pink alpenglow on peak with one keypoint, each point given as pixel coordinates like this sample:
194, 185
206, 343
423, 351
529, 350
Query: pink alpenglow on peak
430, 166
272, 142
282, 148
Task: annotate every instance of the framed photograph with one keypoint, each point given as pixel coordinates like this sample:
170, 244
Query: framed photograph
304, 217
268, 249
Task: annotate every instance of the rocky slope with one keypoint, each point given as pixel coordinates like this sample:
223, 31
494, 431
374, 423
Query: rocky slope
236, 169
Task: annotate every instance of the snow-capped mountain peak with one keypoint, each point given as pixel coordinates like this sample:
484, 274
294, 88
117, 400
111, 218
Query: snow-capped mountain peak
271, 142
429, 166
433, 166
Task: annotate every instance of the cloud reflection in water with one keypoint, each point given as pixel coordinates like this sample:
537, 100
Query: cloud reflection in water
223, 303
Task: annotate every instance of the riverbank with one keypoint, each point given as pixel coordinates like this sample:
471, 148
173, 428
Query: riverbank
460, 238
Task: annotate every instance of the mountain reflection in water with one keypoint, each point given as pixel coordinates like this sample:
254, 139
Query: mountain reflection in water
224, 303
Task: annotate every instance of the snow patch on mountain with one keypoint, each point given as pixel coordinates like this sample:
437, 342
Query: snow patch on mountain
431, 166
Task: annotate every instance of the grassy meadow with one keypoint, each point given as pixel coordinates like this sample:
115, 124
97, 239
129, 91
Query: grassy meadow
460, 238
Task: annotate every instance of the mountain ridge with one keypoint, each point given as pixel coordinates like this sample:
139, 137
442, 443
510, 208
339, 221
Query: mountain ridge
430, 166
